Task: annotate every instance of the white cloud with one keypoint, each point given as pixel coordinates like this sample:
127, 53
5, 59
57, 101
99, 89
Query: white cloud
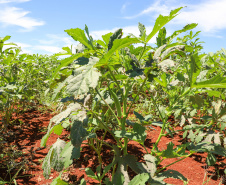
11, 1
58, 40
18, 17
156, 8
209, 14
33, 49
49, 49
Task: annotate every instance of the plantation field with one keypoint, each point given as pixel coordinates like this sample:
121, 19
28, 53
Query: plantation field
28, 139
115, 111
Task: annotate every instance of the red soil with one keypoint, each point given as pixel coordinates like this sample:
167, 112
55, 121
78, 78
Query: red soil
27, 138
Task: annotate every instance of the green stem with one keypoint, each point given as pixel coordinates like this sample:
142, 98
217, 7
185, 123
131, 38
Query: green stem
172, 163
119, 122
138, 93
97, 151
125, 146
145, 149
105, 127
163, 125
142, 52
113, 76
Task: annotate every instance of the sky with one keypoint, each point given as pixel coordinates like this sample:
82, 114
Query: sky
37, 26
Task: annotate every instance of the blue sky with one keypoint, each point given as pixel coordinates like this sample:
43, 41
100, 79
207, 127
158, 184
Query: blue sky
38, 25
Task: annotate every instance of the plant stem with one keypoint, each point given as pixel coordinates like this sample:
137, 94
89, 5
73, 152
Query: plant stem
172, 163
163, 125
138, 93
105, 127
119, 122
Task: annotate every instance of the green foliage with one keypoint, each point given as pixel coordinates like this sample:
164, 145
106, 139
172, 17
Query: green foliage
106, 81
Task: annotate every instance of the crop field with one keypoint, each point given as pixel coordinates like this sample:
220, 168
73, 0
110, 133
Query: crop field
117, 111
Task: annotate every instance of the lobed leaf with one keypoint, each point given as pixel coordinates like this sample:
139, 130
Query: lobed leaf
84, 78
161, 21
53, 158
139, 179
79, 35
117, 44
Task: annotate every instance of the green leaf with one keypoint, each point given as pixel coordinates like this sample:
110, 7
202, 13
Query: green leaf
3, 182
58, 119
69, 153
139, 133
142, 30
106, 38
91, 174
118, 178
161, 39
180, 77
161, 21
3, 39
65, 62
117, 44
139, 116
79, 35
78, 132
212, 93
176, 33
211, 159
53, 158
215, 82
151, 165
114, 36
122, 134
139, 179
195, 68
58, 181
44, 139
197, 101
131, 161
58, 129
163, 81
106, 169
172, 174
173, 153
82, 182
84, 78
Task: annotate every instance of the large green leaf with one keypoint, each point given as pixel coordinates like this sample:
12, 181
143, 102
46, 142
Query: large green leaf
58, 181
172, 174
161, 39
151, 165
139, 133
78, 132
195, 68
79, 35
66, 62
139, 179
161, 21
116, 35
69, 153
83, 78
215, 82
186, 28
58, 119
106, 38
117, 44
53, 158
142, 30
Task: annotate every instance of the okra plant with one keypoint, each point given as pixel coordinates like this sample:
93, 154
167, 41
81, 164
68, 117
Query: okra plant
107, 80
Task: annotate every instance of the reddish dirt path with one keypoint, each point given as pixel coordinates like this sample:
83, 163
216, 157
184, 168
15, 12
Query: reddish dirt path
27, 138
